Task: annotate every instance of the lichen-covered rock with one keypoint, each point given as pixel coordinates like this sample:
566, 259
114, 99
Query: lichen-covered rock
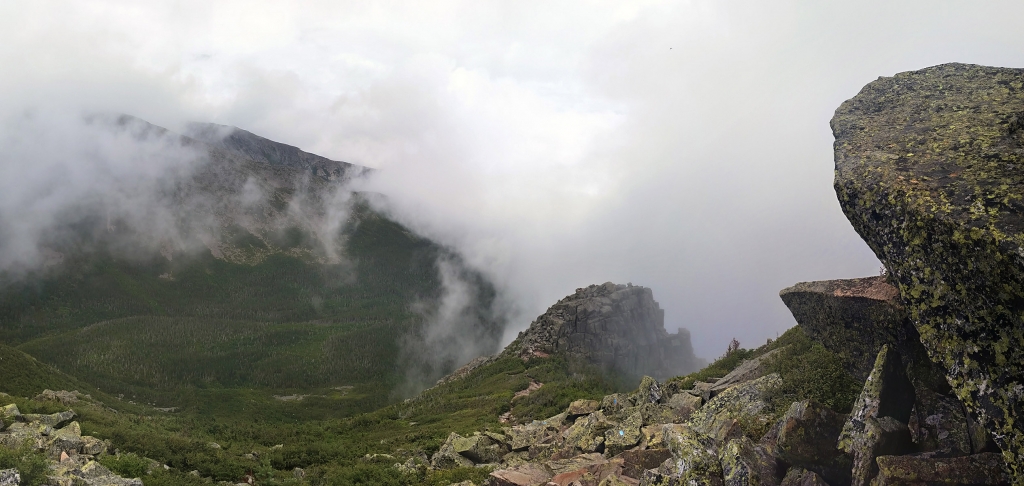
10, 412
743, 403
635, 462
65, 440
521, 437
649, 391
939, 424
879, 437
55, 420
806, 437
928, 171
748, 370
887, 393
582, 407
854, 318
78, 471
798, 476
616, 402
584, 468
653, 436
747, 464
480, 449
616, 327
617, 480
694, 460
447, 458
587, 433
524, 475
681, 407
985, 468
10, 477
623, 436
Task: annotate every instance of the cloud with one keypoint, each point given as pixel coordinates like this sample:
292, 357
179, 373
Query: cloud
682, 146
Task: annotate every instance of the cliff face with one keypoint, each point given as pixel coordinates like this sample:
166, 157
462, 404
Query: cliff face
930, 172
617, 327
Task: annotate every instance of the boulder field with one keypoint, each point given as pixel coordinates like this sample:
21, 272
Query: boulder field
904, 428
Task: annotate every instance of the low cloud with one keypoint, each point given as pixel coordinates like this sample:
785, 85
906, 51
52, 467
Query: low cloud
683, 146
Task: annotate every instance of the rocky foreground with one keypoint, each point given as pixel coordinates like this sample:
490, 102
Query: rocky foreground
901, 430
71, 455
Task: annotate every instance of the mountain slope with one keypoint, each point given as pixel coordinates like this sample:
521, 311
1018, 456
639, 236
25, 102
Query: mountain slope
262, 274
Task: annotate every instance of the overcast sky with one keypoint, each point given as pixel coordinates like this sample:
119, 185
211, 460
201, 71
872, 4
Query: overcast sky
682, 146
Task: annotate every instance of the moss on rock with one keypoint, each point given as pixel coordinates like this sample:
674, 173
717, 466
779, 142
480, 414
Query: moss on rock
930, 172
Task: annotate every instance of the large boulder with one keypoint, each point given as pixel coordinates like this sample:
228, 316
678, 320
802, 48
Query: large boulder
743, 404
447, 458
616, 327
806, 437
854, 318
878, 422
985, 468
524, 475
886, 393
939, 424
694, 460
929, 172
588, 432
625, 435
480, 448
747, 464
798, 476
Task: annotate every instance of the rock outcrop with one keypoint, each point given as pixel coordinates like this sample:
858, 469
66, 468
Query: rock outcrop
616, 327
854, 318
71, 454
930, 172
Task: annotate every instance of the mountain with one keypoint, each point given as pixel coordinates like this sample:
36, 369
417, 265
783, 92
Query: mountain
254, 266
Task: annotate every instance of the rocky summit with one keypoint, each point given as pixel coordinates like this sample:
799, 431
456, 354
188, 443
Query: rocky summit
616, 327
930, 172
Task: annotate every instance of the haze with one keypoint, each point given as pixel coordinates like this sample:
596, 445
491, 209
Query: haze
683, 146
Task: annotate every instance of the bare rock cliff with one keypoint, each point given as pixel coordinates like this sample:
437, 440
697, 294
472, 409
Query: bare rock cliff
619, 328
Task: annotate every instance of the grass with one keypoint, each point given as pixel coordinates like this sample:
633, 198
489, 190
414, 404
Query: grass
330, 449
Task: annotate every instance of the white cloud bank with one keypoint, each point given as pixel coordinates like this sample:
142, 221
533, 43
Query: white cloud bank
682, 146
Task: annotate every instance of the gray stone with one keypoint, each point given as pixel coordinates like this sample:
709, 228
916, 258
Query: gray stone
623, 436
939, 423
806, 437
748, 370
480, 449
10, 477
523, 475
747, 464
985, 468
619, 328
744, 403
55, 420
928, 171
447, 458
880, 437
694, 460
798, 476
587, 433
582, 407
887, 393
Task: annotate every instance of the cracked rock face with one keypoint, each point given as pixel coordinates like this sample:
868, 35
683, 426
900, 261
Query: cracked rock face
616, 327
930, 172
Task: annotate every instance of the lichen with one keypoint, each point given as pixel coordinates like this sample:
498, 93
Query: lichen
930, 172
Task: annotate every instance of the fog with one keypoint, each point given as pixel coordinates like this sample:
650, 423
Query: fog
682, 146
